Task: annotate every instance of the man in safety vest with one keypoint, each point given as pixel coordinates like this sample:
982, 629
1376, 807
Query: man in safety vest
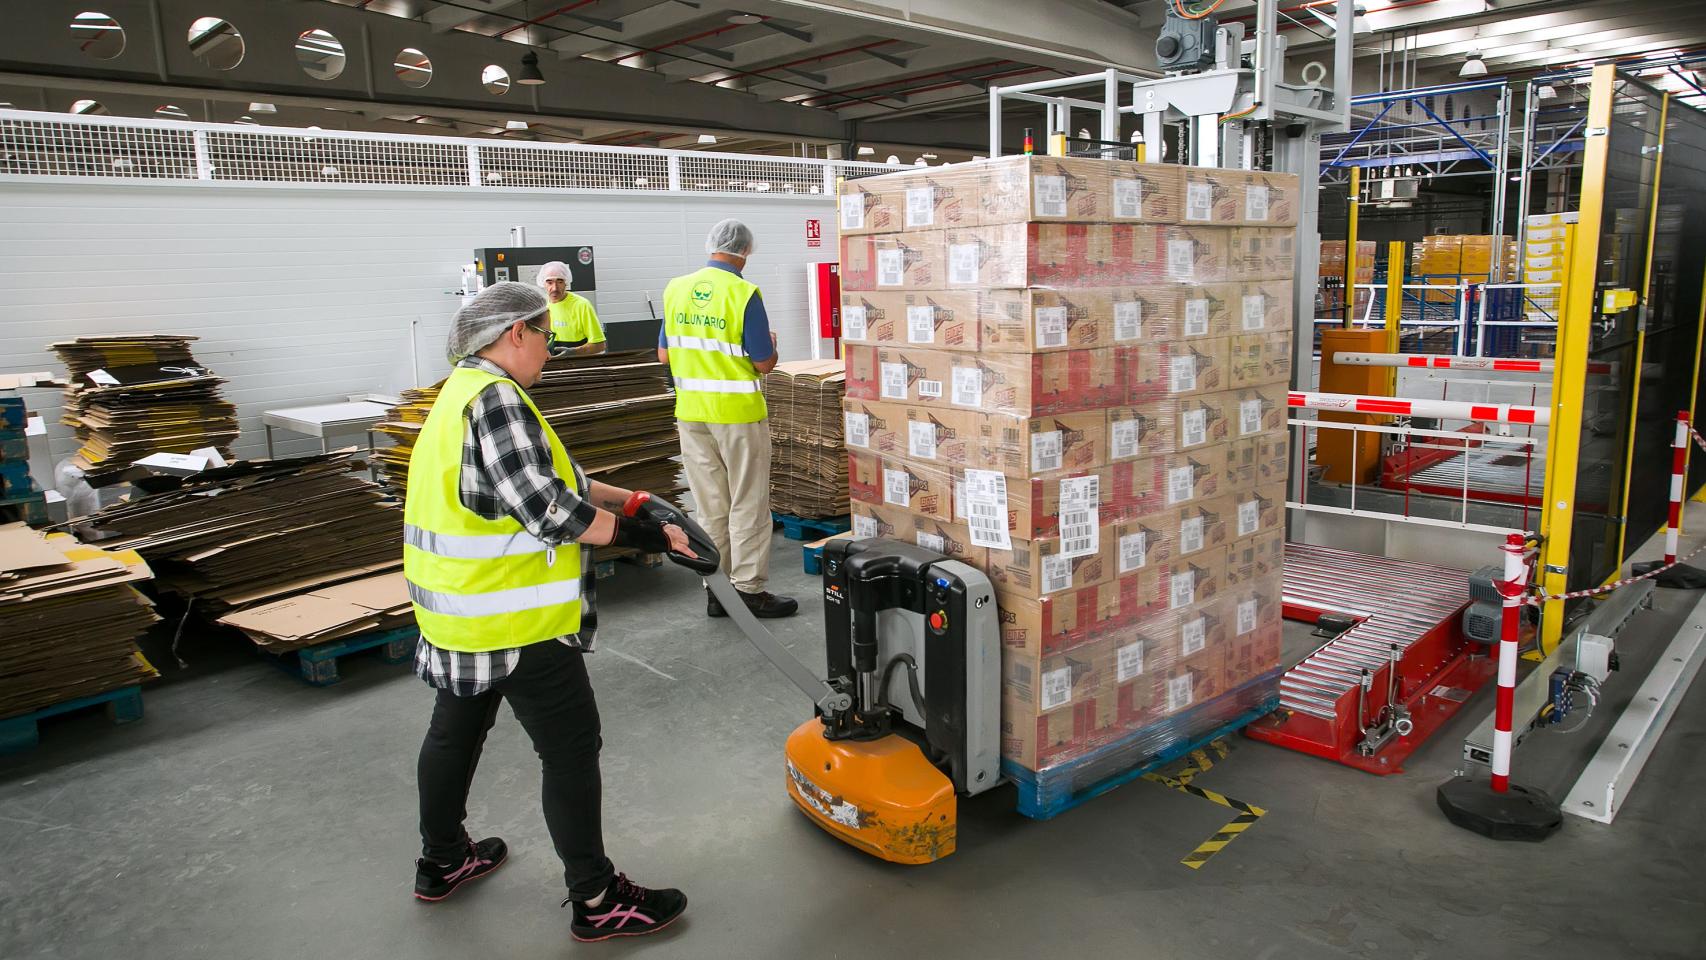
494, 524
575, 329
716, 339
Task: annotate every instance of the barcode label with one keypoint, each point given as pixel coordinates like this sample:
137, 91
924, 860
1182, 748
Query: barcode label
1180, 481
960, 499
1196, 317
1256, 202
1255, 311
920, 207
1193, 636
1196, 427
1130, 661
897, 487
1182, 590
1128, 320
853, 326
1246, 616
1181, 259
933, 541
962, 263
1128, 199
1049, 195
1045, 450
986, 509
891, 268
1249, 416
1057, 688
921, 324
1125, 439
864, 528
1199, 202
1249, 517
1057, 573
1190, 535
894, 381
853, 211
859, 430
968, 387
1134, 551
1080, 516
921, 439
930, 388
1178, 693
1051, 326
1183, 372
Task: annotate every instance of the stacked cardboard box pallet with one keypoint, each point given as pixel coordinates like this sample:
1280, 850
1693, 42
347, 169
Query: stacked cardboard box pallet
1333, 267
808, 458
1546, 259
1072, 375
1446, 261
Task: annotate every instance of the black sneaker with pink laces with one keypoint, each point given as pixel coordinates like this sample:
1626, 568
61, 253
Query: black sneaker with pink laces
435, 881
626, 910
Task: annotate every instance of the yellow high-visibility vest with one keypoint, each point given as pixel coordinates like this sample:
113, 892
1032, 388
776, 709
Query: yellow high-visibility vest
704, 315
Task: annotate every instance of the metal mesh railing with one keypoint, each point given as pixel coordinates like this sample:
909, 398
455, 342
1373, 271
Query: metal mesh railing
592, 169
313, 158
751, 174
53, 148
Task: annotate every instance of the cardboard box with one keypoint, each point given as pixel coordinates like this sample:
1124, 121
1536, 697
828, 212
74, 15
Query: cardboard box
1142, 430
1038, 568
1258, 359
932, 198
1143, 314
936, 319
1194, 254
1038, 445
1034, 505
1160, 370
1151, 485
1035, 741
1203, 419
894, 523
1268, 253
901, 261
1255, 558
1264, 306
1254, 512
869, 205
1145, 192
1038, 320
924, 490
1188, 581
1025, 189
1041, 626
1213, 197
1255, 461
1269, 199
1205, 525
1256, 410
1024, 385
1190, 684
887, 429
1207, 310
1145, 546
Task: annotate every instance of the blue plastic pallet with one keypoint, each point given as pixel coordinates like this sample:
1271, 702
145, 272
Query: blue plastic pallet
29, 506
318, 665
1049, 793
808, 528
19, 733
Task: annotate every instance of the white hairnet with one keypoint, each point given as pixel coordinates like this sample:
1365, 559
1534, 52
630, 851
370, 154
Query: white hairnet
729, 236
555, 270
491, 312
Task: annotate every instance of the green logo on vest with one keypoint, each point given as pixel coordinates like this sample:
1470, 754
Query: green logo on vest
702, 292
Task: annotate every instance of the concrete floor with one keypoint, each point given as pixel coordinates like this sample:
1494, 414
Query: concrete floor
250, 816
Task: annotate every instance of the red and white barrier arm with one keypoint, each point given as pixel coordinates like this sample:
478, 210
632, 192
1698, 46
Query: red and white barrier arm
1441, 409
1432, 361
1511, 592
1678, 467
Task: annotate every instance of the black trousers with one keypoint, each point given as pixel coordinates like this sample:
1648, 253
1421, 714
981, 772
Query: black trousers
552, 697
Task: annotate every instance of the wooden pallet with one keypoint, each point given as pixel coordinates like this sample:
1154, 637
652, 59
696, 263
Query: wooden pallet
20, 733
809, 528
604, 565
317, 665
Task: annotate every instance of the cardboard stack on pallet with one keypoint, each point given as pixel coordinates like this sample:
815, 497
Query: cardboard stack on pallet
1546, 251
808, 459
1072, 375
1446, 261
1333, 268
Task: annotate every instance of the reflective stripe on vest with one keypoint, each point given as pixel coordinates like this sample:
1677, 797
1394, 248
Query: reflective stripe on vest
513, 600
475, 547
716, 386
704, 321
705, 343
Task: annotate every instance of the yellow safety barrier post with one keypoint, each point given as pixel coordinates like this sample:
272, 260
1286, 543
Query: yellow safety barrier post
1394, 303
1351, 245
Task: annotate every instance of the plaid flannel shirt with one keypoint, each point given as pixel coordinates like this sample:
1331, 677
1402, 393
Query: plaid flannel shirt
507, 471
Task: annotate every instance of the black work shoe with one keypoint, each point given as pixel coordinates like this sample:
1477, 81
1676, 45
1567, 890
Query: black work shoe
769, 606
713, 606
627, 910
435, 881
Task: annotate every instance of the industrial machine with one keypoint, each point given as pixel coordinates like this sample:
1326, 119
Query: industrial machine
522, 263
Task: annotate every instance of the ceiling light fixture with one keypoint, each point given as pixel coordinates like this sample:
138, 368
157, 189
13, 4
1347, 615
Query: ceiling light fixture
262, 108
706, 139
745, 19
1474, 66
1545, 91
529, 75
867, 151
515, 125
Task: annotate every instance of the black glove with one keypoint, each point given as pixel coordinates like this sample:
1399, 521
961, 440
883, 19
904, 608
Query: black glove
643, 506
641, 534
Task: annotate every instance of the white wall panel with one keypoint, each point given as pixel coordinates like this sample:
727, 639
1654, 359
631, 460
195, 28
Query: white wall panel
304, 295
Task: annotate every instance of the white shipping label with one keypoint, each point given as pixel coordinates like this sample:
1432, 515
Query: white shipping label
859, 430
1128, 199
986, 509
1130, 661
1134, 551
1249, 517
1049, 196
921, 324
962, 263
968, 387
1128, 320
864, 528
36, 426
930, 388
1249, 416
1057, 573
1051, 326
933, 541
891, 268
1182, 591
1125, 439
102, 378
1195, 424
1246, 616
853, 212
920, 207
1255, 311
1181, 259
853, 323
1183, 373
894, 381
1178, 693
1180, 481
1196, 317
1193, 636
1190, 535
1080, 516
959, 499
897, 487
921, 439
1256, 202
1057, 688
1199, 202
1045, 450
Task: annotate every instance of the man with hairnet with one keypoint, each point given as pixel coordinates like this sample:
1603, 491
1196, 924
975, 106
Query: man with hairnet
574, 323
494, 523
716, 339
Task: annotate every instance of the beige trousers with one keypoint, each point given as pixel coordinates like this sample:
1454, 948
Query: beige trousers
728, 469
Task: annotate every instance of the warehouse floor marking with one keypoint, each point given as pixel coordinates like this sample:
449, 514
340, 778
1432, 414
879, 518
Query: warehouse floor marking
1199, 762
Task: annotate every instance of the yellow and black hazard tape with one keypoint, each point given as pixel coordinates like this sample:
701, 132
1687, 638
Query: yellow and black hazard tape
1247, 814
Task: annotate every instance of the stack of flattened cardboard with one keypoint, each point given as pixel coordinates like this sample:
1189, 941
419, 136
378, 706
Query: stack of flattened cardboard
69, 620
323, 614
258, 530
132, 396
808, 456
614, 413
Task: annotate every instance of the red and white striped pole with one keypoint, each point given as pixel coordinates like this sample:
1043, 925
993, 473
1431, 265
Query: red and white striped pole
1511, 591
1442, 409
1443, 361
1678, 467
